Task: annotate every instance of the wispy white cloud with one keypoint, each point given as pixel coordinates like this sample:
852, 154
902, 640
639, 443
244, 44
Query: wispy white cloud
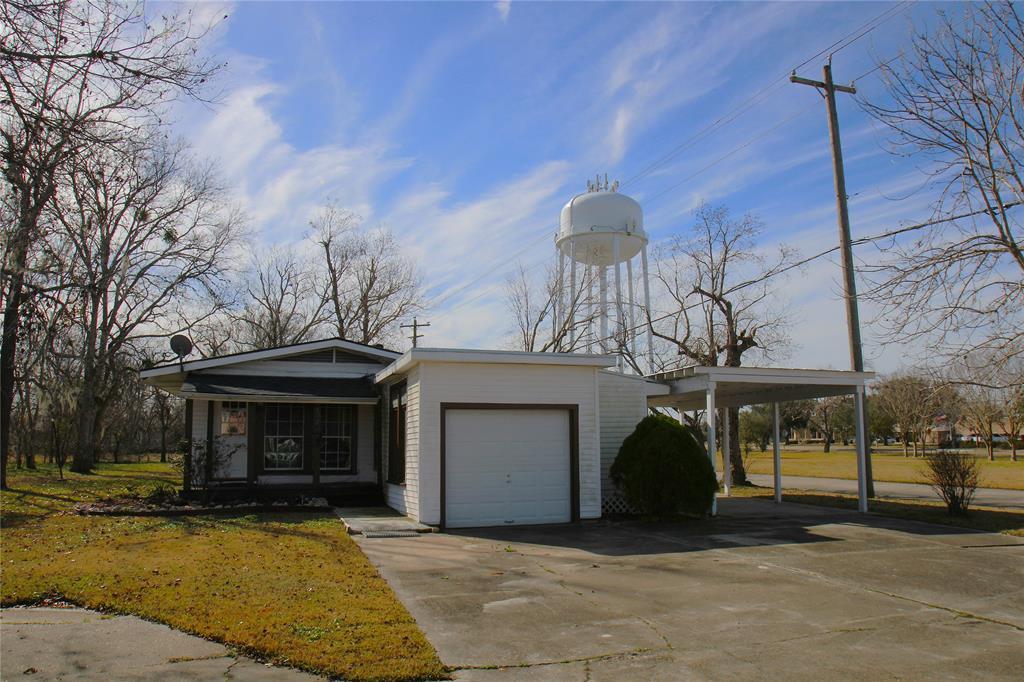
503, 7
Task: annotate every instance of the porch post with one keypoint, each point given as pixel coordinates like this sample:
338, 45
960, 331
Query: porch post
726, 442
712, 444
777, 458
862, 488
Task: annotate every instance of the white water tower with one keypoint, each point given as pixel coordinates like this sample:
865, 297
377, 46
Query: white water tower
602, 229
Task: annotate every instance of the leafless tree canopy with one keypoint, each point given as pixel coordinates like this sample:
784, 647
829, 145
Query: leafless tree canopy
75, 77
956, 105
720, 289
532, 304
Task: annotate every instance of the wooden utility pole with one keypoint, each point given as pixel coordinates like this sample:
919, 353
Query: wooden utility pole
828, 90
415, 327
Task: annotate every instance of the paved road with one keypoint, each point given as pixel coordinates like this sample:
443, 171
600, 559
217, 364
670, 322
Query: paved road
763, 591
985, 497
75, 644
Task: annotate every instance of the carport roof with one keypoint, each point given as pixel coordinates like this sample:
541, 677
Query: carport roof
739, 386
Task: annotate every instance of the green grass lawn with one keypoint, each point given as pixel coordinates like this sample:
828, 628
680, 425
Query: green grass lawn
291, 588
979, 518
886, 466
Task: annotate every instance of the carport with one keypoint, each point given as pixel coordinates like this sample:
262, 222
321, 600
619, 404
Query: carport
709, 388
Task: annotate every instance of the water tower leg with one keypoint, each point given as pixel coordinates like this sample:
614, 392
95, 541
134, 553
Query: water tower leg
558, 321
589, 274
647, 306
631, 305
603, 284
571, 311
619, 317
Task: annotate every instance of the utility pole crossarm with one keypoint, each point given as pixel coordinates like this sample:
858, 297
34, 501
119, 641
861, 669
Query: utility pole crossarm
849, 89
415, 327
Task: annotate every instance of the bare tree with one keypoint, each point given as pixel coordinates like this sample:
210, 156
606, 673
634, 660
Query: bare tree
533, 304
150, 238
827, 416
983, 410
718, 282
371, 285
286, 302
72, 74
956, 103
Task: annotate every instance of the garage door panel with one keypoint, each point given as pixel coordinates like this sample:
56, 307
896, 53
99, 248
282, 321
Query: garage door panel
507, 467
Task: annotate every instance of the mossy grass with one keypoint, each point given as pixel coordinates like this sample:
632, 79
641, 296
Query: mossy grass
290, 588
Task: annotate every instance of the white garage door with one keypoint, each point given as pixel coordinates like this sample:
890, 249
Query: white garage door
507, 467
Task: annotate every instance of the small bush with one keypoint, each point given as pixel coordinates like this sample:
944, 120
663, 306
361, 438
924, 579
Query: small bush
954, 476
662, 470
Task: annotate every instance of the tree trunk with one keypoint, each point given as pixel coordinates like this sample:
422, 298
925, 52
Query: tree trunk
85, 451
163, 443
739, 472
906, 445
828, 443
8, 348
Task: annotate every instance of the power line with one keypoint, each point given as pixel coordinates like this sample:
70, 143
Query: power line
775, 84
804, 261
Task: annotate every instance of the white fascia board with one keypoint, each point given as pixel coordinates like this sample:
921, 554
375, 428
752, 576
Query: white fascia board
194, 365
413, 357
277, 398
769, 375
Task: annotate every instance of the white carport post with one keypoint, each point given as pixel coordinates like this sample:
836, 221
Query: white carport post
776, 456
862, 487
712, 445
726, 442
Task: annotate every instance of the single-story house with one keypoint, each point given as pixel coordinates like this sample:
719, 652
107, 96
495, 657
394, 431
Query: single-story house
449, 437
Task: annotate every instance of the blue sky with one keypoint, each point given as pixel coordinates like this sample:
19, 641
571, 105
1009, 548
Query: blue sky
465, 126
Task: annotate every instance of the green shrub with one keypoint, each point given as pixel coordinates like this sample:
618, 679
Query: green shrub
662, 470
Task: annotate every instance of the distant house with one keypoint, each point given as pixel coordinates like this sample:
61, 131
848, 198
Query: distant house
448, 437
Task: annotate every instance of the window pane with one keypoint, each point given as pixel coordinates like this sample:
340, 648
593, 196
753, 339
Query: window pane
282, 443
336, 426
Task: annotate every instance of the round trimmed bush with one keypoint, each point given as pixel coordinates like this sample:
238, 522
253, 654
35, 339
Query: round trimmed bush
662, 470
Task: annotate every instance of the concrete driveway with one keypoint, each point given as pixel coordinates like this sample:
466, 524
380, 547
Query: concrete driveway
764, 591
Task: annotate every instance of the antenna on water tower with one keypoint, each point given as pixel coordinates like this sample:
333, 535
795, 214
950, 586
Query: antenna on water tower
600, 230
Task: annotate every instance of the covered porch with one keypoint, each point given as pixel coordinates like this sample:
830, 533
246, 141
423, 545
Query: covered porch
711, 388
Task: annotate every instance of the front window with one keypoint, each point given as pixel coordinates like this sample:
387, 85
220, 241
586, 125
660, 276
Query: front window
282, 442
337, 425
396, 435
232, 419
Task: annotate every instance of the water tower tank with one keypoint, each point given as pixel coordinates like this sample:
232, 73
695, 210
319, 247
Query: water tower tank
592, 221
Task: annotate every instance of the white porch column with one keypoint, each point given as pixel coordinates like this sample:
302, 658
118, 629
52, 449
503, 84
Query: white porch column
712, 444
862, 482
777, 457
726, 461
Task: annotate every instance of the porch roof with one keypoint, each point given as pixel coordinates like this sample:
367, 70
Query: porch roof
273, 388
739, 386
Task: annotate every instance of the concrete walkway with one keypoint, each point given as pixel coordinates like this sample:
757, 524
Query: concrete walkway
75, 644
379, 521
984, 497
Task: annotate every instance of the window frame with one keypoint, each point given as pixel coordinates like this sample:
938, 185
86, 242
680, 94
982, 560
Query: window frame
398, 405
226, 408
353, 437
275, 408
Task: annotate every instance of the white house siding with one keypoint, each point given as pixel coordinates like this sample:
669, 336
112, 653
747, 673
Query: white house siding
499, 383
292, 368
199, 415
623, 403
405, 498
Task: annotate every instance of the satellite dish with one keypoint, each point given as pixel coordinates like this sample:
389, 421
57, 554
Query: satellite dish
181, 345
